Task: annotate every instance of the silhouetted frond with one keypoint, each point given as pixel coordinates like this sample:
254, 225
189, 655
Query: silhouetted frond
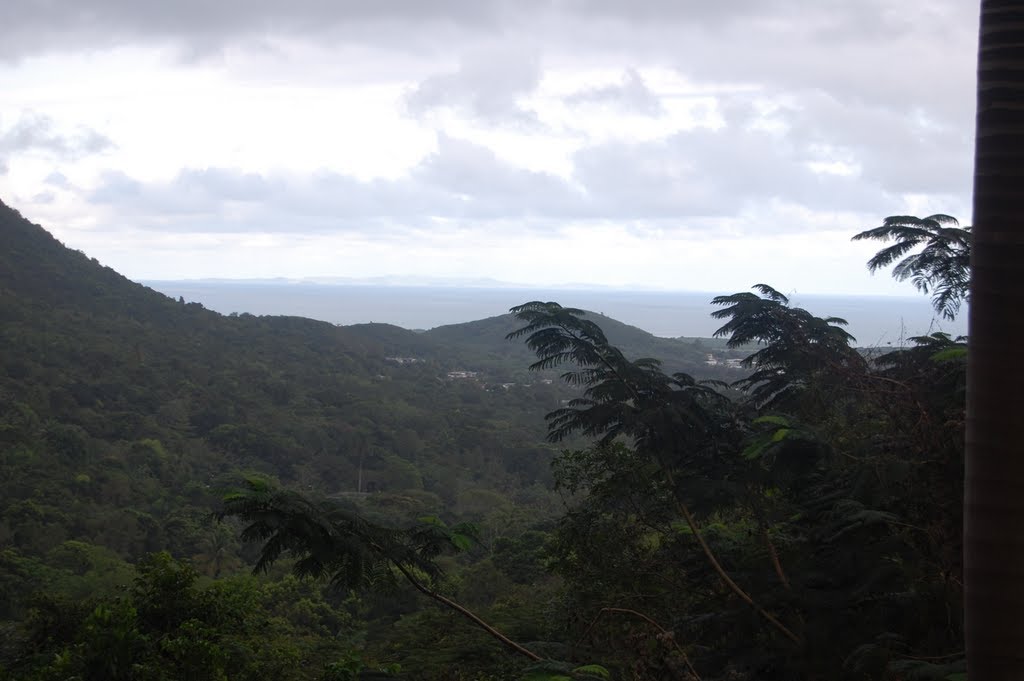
621, 397
768, 292
941, 267
326, 539
796, 344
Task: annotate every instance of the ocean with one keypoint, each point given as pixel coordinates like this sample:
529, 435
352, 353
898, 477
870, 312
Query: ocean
873, 320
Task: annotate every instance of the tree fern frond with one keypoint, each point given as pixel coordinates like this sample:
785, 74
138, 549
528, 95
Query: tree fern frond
770, 293
941, 267
887, 256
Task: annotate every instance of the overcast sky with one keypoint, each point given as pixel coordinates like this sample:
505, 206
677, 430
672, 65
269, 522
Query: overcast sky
675, 144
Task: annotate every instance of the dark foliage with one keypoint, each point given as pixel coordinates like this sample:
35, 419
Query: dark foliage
813, 517
941, 268
796, 351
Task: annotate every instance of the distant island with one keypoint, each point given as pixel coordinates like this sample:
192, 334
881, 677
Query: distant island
874, 320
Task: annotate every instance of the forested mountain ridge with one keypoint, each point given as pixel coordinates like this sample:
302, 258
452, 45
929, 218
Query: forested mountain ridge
122, 408
124, 415
484, 344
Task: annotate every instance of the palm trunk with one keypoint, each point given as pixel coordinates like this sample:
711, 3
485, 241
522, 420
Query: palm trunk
994, 491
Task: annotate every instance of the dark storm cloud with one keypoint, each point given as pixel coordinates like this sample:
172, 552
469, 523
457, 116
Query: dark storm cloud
36, 134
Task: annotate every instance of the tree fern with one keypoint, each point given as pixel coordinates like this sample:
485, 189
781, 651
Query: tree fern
796, 345
941, 268
333, 542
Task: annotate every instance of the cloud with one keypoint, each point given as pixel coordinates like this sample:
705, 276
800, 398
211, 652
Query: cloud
879, 92
476, 184
460, 181
35, 134
207, 27
631, 96
687, 182
34, 27
115, 187
906, 151
191, 190
713, 173
222, 184
57, 179
488, 86
785, 41
847, 75
650, 122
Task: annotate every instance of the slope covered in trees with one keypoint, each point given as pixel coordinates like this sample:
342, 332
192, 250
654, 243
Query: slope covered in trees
124, 414
484, 344
805, 524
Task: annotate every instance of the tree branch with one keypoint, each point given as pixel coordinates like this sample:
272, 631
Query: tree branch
713, 560
465, 612
776, 563
666, 635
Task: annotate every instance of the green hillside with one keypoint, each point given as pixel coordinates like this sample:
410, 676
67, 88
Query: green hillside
482, 344
806, 525
123, 409
124, 415
116, 395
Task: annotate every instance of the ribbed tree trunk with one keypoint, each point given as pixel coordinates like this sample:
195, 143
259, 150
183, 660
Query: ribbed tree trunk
994, 494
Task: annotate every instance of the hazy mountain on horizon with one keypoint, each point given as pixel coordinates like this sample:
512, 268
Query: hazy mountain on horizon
403, 281
874, 320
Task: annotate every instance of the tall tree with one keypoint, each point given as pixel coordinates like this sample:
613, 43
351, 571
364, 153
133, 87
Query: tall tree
674, 421
994, 490
797, 347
